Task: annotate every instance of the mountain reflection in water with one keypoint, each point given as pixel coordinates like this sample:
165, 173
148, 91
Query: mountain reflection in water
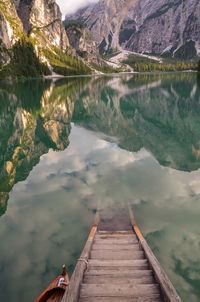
135, 138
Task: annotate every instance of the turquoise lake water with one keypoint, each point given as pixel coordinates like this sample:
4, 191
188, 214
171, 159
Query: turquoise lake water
69, 146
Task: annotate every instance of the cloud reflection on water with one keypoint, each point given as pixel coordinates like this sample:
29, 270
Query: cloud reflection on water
44, 235
50, 213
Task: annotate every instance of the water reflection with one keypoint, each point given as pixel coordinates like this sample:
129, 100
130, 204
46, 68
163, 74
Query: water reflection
133, 138
159, 114
35, 116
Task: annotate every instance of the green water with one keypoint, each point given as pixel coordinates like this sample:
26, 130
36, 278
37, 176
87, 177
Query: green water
72, 145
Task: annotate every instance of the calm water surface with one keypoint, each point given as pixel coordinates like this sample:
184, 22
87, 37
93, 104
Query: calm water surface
72, 145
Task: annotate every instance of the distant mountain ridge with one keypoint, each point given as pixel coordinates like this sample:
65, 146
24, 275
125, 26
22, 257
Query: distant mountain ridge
34, 41
146, 26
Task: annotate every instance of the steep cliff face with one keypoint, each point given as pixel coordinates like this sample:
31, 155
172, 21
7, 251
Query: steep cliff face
39, 18
10, 29
163, 26
81, 39
33, 40
104, 20
10, 24
144, 26
43, 21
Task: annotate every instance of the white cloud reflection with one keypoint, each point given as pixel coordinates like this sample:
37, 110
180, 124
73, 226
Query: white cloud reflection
49, 214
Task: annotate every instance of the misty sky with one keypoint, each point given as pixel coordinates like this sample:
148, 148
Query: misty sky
70, 6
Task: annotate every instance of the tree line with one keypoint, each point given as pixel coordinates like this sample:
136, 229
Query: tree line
141, 64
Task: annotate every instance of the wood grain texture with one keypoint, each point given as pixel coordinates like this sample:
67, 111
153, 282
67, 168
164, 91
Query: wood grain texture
116, 236
123, 273
115, 247
118, 290
168, 290
117, 263
152, 298
117, 255
72, 294
115, 232
120, 268
116, 241
110, 279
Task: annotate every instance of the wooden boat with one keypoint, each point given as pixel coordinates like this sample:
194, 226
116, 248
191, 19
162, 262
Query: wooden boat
56, 289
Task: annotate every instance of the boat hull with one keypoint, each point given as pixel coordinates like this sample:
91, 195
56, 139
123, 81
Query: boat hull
55, 290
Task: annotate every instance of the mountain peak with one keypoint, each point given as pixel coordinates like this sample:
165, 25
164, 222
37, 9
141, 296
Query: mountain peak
144, 26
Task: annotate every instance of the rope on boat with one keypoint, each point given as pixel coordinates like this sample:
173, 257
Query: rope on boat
84, 260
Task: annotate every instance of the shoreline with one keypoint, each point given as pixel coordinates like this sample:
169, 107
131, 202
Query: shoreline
58, 77
118, 73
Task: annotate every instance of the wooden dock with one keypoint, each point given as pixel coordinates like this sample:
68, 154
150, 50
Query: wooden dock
118, 265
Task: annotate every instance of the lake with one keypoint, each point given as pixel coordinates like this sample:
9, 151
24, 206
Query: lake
70, 146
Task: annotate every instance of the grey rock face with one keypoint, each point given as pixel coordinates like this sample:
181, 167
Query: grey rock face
10, 29
4, 31
104, 20
45, 17
39, 19
81, 39
4, 41
10, 24
162, 26
145, 26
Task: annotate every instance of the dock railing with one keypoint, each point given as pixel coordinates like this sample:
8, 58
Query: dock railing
168, 290
72, 293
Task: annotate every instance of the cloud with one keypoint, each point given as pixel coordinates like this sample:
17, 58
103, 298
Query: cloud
70, 6
50, 213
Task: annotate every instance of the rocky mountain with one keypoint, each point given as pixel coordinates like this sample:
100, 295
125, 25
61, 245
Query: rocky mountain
10, 29
81, 39
145, 26
43, 20
33, 40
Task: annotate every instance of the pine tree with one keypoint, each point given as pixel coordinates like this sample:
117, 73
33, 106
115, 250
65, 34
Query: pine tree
198, 68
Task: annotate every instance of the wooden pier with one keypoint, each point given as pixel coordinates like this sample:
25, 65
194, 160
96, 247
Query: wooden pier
118, 265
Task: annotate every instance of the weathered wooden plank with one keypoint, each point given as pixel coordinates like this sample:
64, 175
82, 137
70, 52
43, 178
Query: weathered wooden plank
72, 294
109, 279
118, 290
116, 241
123, 273
118, 263
167, 288
116, 236
119, 269
117, 255
116, 268
115, 232
152, 298
116, 247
